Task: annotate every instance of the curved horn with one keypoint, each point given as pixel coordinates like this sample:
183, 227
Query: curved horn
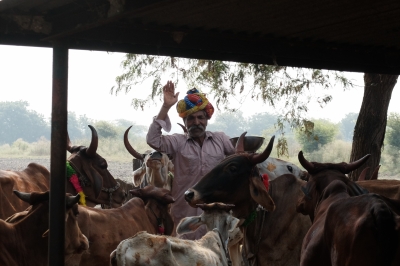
23, 196
362, 175
354, 165
129, 148
72, 200
306, 164
374, 175
258, 158
240, 143
91, 151
183, 127
69, 144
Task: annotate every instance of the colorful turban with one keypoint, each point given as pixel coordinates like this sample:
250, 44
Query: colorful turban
193, 102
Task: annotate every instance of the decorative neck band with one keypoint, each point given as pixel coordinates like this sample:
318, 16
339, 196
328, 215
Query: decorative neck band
73, 178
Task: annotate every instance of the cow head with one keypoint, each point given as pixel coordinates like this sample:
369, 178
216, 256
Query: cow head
97, 183
157, 167
320, 176
216, 215
235, 180
157, 202
38, 215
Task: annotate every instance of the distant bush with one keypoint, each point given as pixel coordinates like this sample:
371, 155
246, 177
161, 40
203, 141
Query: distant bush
40, 147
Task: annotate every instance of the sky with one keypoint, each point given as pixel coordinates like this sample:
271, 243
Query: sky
26, 74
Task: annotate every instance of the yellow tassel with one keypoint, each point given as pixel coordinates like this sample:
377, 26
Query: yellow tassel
82, 200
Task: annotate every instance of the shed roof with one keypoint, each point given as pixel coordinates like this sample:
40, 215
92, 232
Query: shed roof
362, 36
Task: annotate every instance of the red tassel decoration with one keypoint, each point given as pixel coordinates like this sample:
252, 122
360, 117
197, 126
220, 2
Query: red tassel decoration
265, 180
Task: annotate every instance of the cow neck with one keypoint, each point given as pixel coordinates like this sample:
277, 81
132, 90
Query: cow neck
258, 214
159, 219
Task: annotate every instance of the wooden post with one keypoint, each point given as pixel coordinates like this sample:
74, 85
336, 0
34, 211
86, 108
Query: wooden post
59, 118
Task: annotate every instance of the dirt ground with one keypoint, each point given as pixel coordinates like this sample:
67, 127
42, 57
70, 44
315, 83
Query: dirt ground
121, 170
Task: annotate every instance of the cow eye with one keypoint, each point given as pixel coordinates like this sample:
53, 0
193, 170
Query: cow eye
290, 168
233, 168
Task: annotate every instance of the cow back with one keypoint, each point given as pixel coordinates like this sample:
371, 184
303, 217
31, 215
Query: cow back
33, 178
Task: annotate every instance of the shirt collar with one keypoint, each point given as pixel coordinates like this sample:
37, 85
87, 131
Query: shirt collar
208, 135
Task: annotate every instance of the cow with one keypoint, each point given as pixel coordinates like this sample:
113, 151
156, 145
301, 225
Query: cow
157, 167
389, 188
275, 167
106, 228
363, 174
34, 177
24, 239
273, 235
98, 184
211, 249
359, 230
320, 176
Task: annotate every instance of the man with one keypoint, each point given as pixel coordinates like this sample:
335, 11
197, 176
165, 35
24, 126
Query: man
195, 153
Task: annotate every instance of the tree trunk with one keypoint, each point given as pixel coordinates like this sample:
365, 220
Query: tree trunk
370, 128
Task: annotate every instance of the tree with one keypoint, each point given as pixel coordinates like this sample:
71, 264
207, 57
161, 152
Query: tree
347, 126
16, 121
393, 134
260, 122
106, 129
323, 133
370, 128
227, 80
232, 123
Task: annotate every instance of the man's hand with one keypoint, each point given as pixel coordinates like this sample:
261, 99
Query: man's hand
170, 97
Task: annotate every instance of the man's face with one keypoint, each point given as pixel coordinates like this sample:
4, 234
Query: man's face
196, 124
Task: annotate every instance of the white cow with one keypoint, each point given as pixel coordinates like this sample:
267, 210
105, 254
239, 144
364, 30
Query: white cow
275, 167
157, 167
211, 249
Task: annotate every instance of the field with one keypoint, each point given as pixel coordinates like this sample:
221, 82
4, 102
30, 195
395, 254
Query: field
121, 170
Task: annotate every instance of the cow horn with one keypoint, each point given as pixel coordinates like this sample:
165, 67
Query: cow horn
23, 196
354, 165
240, 143
258, 158
374, 175
183, 127
363, 173
306, 164
72, 200
91, 151
69, 144
129, 148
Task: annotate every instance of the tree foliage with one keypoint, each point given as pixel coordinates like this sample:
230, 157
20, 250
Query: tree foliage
16, 121
393, 131
347, 126
232, 123
106, 129
323, 133
284, 88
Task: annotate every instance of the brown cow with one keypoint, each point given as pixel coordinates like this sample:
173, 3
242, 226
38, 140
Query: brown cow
270, 237
106, 228
97, 183
35, 177
360, 230
157, 167
320, 176
25, 242
384, 187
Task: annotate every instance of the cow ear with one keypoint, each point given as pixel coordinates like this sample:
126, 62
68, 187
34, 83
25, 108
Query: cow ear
189, 224
138, 175
260, 194
232, 222
95, 179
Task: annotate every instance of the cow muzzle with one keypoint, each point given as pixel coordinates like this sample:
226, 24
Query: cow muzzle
192, 197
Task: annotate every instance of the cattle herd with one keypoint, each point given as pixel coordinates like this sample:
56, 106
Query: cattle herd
257, 211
